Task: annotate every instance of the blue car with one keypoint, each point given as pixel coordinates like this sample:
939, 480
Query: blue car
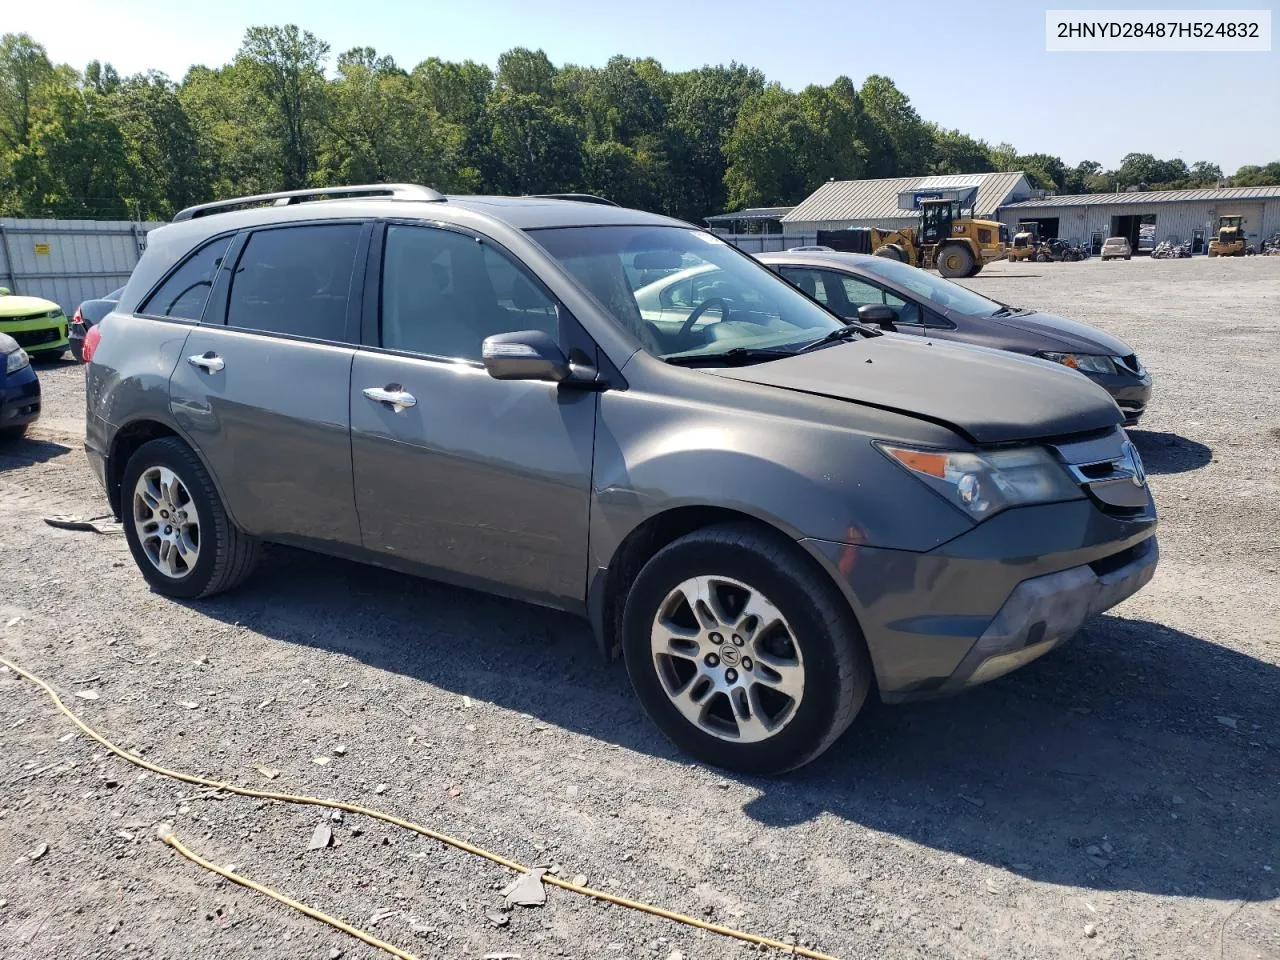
19, 390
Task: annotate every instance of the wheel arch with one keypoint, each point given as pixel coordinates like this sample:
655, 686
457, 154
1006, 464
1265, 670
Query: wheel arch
607, 591
126, 441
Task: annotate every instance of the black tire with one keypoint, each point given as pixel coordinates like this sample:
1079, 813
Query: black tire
13, 434
837, 667
954, 260
227, 555
891, 251
1130, 257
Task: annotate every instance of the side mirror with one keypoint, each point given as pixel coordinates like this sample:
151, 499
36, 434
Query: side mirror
878, 315
524, 355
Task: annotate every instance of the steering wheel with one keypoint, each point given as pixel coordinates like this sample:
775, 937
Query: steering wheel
699, 310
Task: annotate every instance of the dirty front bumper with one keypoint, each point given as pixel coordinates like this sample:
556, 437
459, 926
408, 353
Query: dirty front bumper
993, 599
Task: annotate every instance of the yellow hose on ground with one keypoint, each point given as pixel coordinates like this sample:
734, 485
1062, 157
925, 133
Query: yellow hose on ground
788, 948
166, 834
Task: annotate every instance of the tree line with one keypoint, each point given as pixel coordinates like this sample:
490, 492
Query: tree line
93, 144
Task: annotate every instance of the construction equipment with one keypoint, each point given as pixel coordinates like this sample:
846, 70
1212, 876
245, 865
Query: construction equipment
949, 238
1229, 240
1026, 241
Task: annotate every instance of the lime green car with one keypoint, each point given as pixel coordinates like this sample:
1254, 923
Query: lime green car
39, 325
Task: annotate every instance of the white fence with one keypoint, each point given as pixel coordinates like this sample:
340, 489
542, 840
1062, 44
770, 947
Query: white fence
68, 261
767, 242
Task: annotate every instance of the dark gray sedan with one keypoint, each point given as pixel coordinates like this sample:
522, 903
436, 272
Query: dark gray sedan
923, 304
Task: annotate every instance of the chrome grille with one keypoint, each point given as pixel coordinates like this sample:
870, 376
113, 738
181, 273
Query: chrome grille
1109, 469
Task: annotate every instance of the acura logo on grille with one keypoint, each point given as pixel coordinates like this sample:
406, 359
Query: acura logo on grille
1131, 458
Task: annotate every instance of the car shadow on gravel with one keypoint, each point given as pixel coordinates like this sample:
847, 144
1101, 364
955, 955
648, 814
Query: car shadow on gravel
1169, 452
25, 452
1136, 757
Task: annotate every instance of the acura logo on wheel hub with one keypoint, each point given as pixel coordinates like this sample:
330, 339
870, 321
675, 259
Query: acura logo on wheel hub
729, 655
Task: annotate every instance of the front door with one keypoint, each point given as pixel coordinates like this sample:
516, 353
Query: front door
481, 480
264, 397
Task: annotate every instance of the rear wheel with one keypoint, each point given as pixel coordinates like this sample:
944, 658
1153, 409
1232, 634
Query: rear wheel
177, 528
743, 654
954, 260
13, 434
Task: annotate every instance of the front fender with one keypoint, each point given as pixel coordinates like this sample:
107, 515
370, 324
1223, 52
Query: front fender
807, 478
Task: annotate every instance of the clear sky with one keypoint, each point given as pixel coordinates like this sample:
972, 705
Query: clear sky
980, 67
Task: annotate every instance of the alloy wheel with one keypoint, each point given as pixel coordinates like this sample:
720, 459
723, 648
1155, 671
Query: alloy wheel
727, 659
166, 521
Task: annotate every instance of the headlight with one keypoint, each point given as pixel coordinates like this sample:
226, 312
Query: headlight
983, 484
1084, 362
13, 362
53, 314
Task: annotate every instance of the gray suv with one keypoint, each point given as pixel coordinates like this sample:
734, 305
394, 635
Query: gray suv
764, 510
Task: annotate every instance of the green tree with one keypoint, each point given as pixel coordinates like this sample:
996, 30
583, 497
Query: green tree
25, 71
285, 69
536, 148
1255, 176
522, 71
770, 150
1205, 174
899, 142
955, 152
161, 145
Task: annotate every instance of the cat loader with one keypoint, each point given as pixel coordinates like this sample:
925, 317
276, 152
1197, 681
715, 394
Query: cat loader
956, 245
1229, 240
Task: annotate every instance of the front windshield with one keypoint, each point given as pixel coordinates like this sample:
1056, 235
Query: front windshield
685, 293
936, 290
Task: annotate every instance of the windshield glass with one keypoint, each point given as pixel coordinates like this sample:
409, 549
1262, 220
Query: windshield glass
685, 293
944, 293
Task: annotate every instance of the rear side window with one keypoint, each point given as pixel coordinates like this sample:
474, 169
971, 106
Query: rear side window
296, 280
184, 294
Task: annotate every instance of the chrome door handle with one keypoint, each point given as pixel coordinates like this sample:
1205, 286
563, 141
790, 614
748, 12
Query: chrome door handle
396, 399
209, 362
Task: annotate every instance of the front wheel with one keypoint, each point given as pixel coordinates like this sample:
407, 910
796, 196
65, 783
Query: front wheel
954, 260
178, 531
742, 652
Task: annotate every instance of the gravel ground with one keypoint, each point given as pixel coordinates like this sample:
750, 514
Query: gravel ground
1117, 798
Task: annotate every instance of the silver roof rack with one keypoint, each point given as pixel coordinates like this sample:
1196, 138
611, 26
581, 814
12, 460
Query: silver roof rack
395, 191
578, 197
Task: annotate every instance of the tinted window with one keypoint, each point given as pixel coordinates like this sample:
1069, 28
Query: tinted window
296, 280
185, 292
444, 292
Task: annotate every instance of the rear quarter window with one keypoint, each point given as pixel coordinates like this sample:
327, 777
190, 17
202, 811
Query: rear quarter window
184, 294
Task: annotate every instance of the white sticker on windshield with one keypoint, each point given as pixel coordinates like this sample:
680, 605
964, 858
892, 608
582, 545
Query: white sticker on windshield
706, 237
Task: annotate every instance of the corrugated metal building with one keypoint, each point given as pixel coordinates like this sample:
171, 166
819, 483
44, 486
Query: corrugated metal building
1182, 214
68, 261
838, 204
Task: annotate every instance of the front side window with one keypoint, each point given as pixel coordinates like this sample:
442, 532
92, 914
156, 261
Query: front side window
184, 294
444, 292
931, 288
296, 281
733, 301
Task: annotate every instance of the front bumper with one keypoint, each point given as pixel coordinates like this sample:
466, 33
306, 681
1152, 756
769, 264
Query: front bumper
992, 599
1131, 393
19, 398
40, 336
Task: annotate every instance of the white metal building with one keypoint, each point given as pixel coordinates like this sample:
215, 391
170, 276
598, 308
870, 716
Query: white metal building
838, 204
1154, 215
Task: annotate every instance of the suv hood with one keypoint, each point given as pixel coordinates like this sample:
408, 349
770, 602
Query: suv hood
1068, 333
989, 396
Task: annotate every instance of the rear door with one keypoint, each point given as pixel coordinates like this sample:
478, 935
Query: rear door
480, 480
262, 388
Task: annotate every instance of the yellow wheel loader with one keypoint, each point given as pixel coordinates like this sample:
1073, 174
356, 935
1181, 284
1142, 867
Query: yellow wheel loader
1229, 240
957, 246
1026, 242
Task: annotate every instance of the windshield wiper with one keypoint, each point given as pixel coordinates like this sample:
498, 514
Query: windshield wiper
842, 333
1006, 311
735, 357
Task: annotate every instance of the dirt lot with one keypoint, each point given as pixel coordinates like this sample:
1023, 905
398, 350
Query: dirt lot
1118, 798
